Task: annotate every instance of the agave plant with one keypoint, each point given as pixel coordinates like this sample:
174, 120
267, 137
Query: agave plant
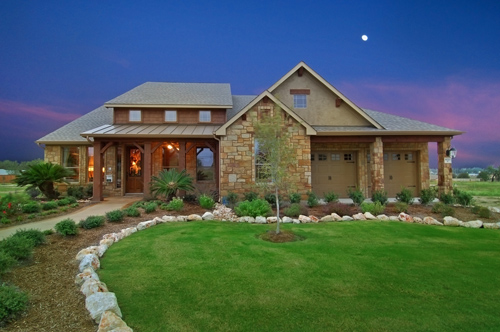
169, 182
43, 176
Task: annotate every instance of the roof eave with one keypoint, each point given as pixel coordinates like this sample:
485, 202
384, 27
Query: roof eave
113, 105
389, 133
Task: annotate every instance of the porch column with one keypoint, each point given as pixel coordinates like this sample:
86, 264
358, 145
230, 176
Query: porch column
98, 163
377, 164
445, 176
182, 155
147, 168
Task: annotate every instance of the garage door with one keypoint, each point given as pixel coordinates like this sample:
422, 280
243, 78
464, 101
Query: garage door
333, 171
400, 171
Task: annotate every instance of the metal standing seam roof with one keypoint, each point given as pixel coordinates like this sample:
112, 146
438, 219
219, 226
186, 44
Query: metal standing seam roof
176, 94
151, 130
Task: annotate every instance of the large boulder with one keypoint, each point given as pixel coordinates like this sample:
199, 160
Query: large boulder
194, 217
208, 216
110, 322
336, 217
304, 219
107, 242
260, 220
382, 217
327, 218
89, 260
169, 218
287, 220
314, 219
473, 224
98, 303
451, 221
86, 274
128, 231
347, 218
370, 216
491, 225
145, 224
272, 220
405, 217
359, 216
91, 286
247, 219
431, 221
86, 251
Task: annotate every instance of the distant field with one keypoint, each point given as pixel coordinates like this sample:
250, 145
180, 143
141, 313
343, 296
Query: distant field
479, 188
10, 188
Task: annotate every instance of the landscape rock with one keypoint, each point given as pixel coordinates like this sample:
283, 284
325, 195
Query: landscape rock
347, 218
98, 303
327, 218
494, 209
222, 212
370, 216
359, 216
208, 216
145, 224
247, 219
194, 217
491, 225
88, 273
336, 217
260, 220
101, 250
272, 220
296, 221
110, 322
287, 220
418, 220
451, 221
394, 218
158, 220
405, 217
431, 221
89, 260
182, 218
107, 242
91, 286
128, 231
169, 218
86, 251
314, 219
473, 224
113, 236
382, 217
304, 219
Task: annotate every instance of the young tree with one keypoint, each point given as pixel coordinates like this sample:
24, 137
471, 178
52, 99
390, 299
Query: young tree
43, 176
274, 153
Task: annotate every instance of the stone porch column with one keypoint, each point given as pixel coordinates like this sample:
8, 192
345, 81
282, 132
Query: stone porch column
445, 177
377, 164
147, 169
98, 164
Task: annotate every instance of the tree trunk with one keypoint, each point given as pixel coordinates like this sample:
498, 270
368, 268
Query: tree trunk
277, 211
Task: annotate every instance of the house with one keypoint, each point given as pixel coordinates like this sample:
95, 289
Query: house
204, 129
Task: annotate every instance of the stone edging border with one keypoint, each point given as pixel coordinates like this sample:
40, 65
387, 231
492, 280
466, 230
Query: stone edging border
102, 304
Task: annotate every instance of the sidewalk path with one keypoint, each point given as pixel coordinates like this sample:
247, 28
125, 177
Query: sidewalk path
96, 209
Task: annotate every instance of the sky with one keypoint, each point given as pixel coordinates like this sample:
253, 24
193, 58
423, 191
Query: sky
435, 61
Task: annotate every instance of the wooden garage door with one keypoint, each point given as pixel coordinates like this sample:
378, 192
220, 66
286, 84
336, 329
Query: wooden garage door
333, 171
400, 171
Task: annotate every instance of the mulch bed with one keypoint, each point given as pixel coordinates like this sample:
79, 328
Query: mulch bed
56, 303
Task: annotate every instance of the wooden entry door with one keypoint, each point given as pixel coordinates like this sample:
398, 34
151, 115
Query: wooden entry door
135, 173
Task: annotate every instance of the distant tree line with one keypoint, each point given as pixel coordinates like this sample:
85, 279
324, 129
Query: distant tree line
14, 167
490, 173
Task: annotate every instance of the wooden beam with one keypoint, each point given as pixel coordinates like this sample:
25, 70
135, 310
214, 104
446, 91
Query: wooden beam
147, 168
342, 139
103, 150
97, 184
412, 139
139, 147
153, 150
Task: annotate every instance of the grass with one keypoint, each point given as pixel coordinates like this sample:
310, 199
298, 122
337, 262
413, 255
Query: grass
476, 188
10, 188
361, 276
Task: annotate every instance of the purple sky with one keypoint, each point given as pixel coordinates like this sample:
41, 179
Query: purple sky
434, 61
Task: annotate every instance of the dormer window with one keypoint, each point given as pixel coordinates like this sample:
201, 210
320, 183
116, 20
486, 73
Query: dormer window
135, 116
170, 116
300, 101
205, 116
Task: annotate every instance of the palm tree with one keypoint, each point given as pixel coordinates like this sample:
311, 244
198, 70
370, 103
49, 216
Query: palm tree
169, 182
43, 176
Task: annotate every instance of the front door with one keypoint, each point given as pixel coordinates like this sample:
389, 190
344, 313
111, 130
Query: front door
135, 177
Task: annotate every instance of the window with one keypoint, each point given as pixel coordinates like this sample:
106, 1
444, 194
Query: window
409, 156
170, 155
335, 156
170, 116
312, 157
90, 164
205, 116
322, 157
260, 163
135, 116
118, 173
348, 156
205, 166
71, 160
396, 156
300, 101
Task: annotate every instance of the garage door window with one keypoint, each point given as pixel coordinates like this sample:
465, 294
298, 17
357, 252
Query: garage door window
396, 156
409, 156
335, 157
321, 157
348, 156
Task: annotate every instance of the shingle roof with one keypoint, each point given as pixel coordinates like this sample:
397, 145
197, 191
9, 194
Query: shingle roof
238, 103
176, 94
70, 133
391, 124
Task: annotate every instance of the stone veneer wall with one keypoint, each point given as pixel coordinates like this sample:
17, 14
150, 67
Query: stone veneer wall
237, 166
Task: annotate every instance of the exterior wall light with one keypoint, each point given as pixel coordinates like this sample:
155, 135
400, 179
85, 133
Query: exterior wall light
452, 153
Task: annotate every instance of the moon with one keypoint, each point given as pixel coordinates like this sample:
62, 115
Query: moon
364, 37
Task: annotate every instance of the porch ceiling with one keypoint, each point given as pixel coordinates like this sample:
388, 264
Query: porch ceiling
151, 131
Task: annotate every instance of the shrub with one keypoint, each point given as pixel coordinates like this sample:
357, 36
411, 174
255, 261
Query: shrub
12, 301
427, 196
169, 182
482, 212
150, 207
331, 197
17, 247
176, 204
74, 205
34, 235
70, 200
6, 262
446, 198
294, 198
339, 208
63, 202
437, 207
255, 208
295, 210
76, 192
4, 220
206, 202
250, 196
232, 199
88, 191
379, 196
356, 195
92, 222
447, 211
374, 208
190, 198
462, 197
64, 208
49, 206
115, 216
312, 199
405, 196
33, 192
66, 227
401, 207
31, 207
48, 232
132, 212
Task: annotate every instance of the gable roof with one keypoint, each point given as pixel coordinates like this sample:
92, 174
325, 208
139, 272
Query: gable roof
70, 133
222, 129
192, 95
357, 109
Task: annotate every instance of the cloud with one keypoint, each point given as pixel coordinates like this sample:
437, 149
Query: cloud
26, 111
471, 106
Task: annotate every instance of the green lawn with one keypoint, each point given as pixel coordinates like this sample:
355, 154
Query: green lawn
10, 188
350, 276
477, 188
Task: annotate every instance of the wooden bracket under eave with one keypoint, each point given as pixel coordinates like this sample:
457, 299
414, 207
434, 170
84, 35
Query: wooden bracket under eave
301, 71
338, 102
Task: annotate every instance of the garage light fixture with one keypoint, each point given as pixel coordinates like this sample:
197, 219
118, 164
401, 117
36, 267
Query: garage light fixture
452, 153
